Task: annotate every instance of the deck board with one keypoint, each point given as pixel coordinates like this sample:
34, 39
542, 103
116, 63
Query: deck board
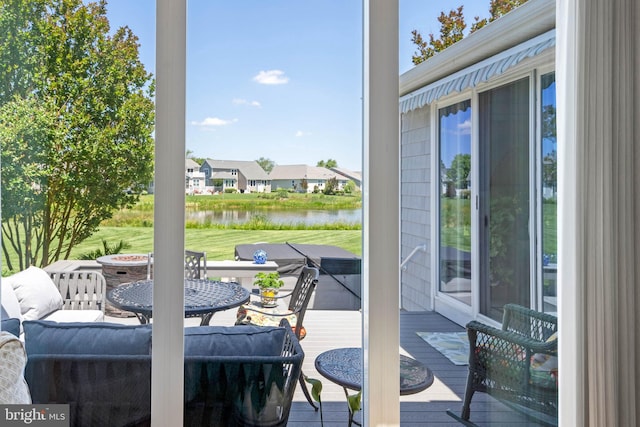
327, 329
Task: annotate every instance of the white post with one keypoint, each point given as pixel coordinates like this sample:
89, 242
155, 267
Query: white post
598, 64
381, 236
167, 371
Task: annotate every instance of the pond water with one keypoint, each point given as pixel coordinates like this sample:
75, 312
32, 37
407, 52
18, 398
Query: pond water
278, 217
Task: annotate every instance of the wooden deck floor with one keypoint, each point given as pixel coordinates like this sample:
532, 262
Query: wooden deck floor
333, 329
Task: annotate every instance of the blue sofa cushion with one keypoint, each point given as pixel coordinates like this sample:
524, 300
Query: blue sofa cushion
12, 326
45, 337
238, 341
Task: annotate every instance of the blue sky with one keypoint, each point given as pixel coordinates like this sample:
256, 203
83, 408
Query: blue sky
280, 79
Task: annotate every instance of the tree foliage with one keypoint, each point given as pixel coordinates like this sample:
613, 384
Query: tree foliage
452, 26
330, 163
458, 172
331, 186
497, 8
189, 154
76, 122
350, 187
266, 164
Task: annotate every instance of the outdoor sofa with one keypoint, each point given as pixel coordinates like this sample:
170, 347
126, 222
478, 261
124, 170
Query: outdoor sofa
70, 296
234, 376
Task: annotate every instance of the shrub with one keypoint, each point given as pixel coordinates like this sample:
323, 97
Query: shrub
108, 250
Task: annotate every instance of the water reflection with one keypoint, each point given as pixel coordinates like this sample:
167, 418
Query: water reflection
278, 217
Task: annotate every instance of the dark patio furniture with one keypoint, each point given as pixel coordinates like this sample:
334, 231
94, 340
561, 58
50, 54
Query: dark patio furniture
233, 376
299, 300
343, 366
516, 364
195, 265
202, 298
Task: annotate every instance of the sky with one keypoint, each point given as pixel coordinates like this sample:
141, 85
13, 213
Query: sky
280, 79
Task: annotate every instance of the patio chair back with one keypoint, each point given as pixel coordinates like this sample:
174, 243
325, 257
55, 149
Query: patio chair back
195, 265
81, 290
301, 295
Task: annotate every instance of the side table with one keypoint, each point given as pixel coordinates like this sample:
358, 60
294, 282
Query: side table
343, 366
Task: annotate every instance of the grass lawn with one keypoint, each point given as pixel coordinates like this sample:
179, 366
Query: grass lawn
220, 244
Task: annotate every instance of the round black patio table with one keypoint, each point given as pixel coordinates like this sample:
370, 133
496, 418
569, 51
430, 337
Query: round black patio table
343, 366
202, 298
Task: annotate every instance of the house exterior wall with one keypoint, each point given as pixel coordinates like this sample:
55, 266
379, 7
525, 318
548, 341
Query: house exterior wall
415, 209
242, 181
195, 183
258, 186
206, 169
288, 184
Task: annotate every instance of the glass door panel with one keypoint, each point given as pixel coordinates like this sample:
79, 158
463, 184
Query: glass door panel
549, 188
77, 120
455, 200
505, 244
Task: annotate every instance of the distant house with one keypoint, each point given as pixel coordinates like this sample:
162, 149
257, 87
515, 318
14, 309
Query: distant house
194, 179
244, 176
354, 176
303, 178
223, 180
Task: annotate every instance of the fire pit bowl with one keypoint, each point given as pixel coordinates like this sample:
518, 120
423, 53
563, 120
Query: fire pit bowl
122, 268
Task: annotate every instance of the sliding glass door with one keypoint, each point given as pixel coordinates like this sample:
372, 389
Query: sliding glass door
504, 190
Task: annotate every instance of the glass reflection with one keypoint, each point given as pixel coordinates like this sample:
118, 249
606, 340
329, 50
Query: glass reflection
455, 200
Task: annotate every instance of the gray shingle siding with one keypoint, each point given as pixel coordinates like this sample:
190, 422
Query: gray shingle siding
414, 210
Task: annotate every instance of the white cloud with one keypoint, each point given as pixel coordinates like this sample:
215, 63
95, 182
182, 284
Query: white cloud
240, 101
213, 122
464, 128
301, 133
271, 77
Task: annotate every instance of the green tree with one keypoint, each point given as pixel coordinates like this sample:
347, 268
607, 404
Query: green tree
27, 133
549, 133
452, 26
330, 163
91, 100
266, 164
458, 172
497, 8
350, 187
189, 154
331, 186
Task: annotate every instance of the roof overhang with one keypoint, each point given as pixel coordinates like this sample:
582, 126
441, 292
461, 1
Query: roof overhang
481, 72
527, 21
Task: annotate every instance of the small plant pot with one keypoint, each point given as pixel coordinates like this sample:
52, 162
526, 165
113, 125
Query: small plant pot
268, 297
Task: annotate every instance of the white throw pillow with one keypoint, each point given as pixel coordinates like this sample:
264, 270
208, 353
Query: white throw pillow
36, 292
10, 301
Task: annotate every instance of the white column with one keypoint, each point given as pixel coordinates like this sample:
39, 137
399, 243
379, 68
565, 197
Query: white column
598, 78
381, 248
167, 371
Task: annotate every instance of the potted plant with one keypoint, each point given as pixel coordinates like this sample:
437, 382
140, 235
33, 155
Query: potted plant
269, 283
